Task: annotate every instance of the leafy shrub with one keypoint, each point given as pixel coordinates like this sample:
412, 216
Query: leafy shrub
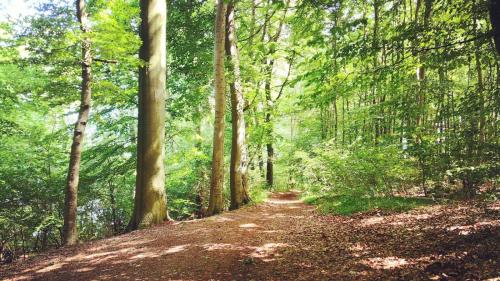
473, 176
359, 170
258, 194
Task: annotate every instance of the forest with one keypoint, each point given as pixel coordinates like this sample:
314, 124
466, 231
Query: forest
261, 139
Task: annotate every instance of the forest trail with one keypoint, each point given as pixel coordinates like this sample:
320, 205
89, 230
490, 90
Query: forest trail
284, 239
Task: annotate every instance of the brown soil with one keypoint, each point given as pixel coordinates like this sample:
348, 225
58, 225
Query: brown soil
284, 239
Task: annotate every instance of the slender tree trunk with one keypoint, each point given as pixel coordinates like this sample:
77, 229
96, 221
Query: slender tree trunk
200, 198
239, 158
150, 206
70, 233
420, 121
269, 130
268, 125
269, 101
323, 122
375, 42
112, 199
216, 203
480, 92
494, 8
270, 165
343, 121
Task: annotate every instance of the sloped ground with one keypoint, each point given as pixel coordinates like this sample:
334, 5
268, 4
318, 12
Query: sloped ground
284, 239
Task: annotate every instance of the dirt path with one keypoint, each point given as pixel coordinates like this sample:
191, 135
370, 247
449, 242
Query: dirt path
284, 239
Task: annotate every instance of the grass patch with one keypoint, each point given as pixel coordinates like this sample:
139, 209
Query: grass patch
349, 204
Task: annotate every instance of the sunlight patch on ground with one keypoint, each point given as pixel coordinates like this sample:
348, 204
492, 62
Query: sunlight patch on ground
399, 219
267, 251
103, 259
248, 225
467, 229
385, 263
221, 246
144, 255
19, 278
296, 217
151, 253
283, 202
116, 242
51, 267
176, 249
222, 219
272, 231
358, 249
403, 219
98, 255
84, 269
495, 206
277, 215
371, 221
97, 258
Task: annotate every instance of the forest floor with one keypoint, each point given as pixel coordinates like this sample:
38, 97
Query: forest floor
284, 239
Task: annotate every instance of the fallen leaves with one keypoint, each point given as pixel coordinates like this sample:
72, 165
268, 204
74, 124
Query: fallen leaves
284, 239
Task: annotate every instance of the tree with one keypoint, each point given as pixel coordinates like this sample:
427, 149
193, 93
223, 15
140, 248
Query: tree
495, 22
216, 203
269, 102
70, 233
239, 158
150, 204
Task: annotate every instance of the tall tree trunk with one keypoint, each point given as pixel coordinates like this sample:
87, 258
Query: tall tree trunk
420, 121
375, 43
70, 233
269, 128
216, 203
239, 158
150, 206
494, 8
270, 165
200, 198
480, 91
112, 201
269, 101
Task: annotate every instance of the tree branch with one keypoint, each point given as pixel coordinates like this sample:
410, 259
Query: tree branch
290, 63
105, 61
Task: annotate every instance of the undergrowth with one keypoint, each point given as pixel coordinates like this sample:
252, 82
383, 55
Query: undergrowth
352, 204
258, 195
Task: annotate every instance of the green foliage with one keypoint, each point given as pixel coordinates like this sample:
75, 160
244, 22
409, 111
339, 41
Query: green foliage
352, 204
354, 170
258, 194
187, 175
356, 179
474, 176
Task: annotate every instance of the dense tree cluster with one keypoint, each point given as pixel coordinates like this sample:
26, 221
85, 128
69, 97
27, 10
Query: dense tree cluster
340, 98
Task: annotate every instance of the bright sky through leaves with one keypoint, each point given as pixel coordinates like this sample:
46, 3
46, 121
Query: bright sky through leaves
15, 9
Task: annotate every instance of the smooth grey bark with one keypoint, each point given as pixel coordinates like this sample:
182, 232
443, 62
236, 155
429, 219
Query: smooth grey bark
216, 203
70, 232
238, 181
150, 203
